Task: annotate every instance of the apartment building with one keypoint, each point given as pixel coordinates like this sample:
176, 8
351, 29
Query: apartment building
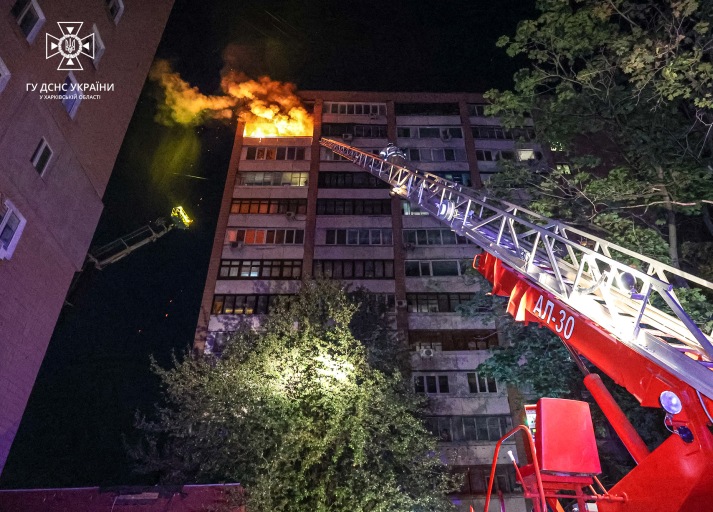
293, 209
64, 110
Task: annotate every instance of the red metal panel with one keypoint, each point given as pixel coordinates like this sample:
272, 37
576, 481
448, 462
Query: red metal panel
565, 437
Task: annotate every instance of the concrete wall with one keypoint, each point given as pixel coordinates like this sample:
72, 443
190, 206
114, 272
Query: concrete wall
62, 206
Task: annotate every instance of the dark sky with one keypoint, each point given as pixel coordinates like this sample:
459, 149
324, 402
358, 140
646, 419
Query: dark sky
96, 373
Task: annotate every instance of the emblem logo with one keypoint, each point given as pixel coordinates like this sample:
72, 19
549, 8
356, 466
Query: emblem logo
70, 46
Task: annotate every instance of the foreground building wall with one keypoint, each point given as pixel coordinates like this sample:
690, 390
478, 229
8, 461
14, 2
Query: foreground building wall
56, 156
292, 209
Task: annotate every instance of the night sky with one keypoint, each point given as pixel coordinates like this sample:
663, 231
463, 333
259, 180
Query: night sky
96, 372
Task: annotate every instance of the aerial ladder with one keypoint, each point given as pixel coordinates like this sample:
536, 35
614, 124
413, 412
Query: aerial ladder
598, 298
125, 245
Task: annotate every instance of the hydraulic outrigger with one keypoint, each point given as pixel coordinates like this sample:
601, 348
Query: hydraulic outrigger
597, 297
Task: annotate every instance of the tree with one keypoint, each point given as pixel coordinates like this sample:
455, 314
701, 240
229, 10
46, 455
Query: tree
622, 90
296, 412
634, 79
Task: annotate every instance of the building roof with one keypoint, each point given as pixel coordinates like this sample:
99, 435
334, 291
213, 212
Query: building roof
187, 498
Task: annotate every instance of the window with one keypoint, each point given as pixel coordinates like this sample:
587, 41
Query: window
359, 237
491, 132
70, 95
563, 168
42, 156
260, 269
353, 207
273, 179
327, 155
459, 177
455, 340
469, 428
116, 9
98, 46
4, 75
433, 237
275, 153
426, 133
486, 155
476, 479
372, 131
358, 109
29, 16
436, 268
354, 269
408, 209
243, 304
256, 206
479, 384
426, 109
350, 180
12, 223
435, 155
249, 236
436, 302
525, 155
431, 384
477, 109
402, 132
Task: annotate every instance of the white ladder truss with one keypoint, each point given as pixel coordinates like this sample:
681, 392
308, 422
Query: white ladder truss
578, 268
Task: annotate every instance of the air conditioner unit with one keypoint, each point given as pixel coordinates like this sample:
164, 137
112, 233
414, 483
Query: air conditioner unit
237, 244
291, 215
347, 137
401, 303
427, 352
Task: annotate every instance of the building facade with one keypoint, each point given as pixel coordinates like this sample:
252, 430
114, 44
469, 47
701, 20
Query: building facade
57, 151
293, 209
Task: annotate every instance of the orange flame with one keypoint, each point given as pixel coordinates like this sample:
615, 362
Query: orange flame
267, 107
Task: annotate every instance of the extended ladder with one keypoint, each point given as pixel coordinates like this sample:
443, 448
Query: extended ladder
584, 272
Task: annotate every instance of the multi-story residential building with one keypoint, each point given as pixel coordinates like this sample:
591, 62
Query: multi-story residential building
293, 209
60, 133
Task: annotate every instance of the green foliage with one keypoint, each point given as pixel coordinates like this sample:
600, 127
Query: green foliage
632, 82
297, 413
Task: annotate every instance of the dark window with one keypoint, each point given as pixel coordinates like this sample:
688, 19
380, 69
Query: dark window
426, 109
476, 478
480, 384
353, 207
361, 236
477, 109
469, 428
354, 269
350, 180
41, 156
436, 302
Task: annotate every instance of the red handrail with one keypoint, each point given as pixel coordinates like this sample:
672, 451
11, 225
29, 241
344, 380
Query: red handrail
536, 466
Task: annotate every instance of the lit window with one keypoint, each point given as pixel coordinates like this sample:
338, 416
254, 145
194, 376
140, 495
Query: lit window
524, 155
29, 16
98, 46
42, 156
11, 225
116, 9
70, 97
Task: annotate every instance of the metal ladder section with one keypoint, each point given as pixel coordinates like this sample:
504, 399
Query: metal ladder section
610, 285
122, 247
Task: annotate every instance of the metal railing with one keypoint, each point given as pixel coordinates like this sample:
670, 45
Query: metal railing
609, 284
